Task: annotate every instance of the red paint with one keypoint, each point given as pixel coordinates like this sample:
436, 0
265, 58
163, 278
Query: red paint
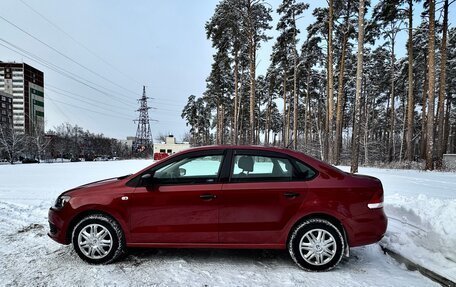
241, 215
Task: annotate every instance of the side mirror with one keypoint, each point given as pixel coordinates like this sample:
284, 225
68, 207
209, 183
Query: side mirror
182, 171
146, 179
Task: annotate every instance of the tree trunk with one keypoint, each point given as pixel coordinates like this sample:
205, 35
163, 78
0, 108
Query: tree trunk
252, 64
424, 112
359, 75
391, 151
410, 99
268, 119
252, 53
285, 126
236, 98
307, 114
222, 124
340, 90
441, 103
447, 126
404, 119
330, 100
289, 120
295, 89
431, 89
366, 132
295, 105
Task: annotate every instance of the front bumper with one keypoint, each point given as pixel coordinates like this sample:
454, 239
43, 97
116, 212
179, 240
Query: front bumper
57, 227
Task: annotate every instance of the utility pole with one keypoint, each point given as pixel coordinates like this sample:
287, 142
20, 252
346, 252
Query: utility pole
143, 141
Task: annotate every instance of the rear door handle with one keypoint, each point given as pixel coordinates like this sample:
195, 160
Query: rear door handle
291, 194
208, 196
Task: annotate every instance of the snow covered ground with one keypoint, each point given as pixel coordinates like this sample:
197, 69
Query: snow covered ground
421, 205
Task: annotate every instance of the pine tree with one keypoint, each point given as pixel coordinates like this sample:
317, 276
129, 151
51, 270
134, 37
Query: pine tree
290, 11
359, 73
390, 18
348, 10
431, 89
441, 103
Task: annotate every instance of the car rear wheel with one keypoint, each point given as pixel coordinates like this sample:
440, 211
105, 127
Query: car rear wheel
98, 239
316, 245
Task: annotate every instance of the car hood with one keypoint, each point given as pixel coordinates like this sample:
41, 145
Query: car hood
104, 182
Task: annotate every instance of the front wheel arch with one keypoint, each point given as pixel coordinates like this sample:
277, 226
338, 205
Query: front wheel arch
84, 214
98, 239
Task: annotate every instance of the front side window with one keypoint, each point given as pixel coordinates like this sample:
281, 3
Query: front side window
192, 170
252, 168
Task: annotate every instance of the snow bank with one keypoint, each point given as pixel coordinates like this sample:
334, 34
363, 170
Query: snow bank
421, 207
423, 229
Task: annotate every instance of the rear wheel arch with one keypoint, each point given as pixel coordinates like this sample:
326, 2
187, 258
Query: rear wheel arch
324, 216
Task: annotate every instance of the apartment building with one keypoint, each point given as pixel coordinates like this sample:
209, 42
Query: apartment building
26, 85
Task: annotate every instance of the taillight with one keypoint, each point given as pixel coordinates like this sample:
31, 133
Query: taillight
377, 199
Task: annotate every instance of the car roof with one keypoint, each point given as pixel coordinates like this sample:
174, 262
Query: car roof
244, 147
290, 152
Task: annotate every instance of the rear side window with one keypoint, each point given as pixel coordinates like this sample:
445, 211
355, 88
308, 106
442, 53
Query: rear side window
252, 168
305, 171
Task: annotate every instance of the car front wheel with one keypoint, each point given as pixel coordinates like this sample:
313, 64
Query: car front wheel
98, 239
316, 245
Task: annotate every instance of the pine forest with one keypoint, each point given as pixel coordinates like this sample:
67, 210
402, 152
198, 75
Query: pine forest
337, 89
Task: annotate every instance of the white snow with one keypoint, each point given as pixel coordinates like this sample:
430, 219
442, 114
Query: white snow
421, 207
423, 204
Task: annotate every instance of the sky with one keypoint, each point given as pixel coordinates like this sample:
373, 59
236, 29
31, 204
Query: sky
97, 55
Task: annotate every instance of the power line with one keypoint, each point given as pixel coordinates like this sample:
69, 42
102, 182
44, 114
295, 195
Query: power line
85, 101
74, 95
63, 72
65, 56
79, 43
89, 110
92, 85
60, 111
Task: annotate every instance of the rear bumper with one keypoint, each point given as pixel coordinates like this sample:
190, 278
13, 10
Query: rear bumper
367, 229
57, 227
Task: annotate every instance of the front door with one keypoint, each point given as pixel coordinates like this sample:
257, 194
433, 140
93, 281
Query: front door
180, 203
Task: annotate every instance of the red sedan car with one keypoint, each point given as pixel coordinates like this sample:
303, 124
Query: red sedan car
225, 197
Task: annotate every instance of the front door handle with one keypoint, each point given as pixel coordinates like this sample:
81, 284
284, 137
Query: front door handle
291, 194
208, 196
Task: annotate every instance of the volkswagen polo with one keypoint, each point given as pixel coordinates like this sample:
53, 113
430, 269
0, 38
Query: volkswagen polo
225, 197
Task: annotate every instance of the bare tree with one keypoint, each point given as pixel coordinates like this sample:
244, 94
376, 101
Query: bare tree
11, 141
38, 139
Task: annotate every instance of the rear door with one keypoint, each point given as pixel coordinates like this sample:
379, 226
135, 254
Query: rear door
263, 193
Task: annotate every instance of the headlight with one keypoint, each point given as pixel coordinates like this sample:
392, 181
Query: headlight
61, 200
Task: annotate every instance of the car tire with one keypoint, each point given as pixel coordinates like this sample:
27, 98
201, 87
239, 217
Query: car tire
316, 245
98, 239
